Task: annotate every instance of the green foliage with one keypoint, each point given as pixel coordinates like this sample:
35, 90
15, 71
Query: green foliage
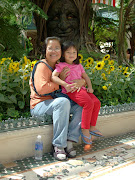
14, 87
95, 55
104, 28
15, 15
112, 84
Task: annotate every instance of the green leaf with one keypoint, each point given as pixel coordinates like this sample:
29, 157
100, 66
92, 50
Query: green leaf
9, 90
7, 100
2, 99
23, 91
12, 112
21, 104
4, 88
12, 85
13, 98
118, 92
17, 79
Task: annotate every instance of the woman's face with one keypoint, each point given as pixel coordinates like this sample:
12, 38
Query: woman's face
53, 51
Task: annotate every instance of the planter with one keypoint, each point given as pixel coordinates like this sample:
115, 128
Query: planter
18, 142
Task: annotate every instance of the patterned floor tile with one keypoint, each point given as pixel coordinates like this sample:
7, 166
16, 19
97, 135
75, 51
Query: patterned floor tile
30, 163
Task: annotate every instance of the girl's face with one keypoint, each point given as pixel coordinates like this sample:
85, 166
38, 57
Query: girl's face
53, 51
70, 55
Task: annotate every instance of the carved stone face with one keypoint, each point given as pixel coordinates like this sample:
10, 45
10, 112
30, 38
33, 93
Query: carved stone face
63, 20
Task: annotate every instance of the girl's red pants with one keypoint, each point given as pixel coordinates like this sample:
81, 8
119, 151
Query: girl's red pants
90, 104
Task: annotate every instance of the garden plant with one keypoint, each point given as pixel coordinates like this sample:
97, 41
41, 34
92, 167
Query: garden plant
112, 84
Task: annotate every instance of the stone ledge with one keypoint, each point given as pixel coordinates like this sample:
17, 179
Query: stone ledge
19, 144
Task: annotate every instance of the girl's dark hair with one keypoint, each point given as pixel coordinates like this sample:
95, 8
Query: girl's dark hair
67, 45
46, 43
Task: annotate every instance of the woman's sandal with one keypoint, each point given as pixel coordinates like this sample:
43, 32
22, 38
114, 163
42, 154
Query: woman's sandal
59, 154
69, 152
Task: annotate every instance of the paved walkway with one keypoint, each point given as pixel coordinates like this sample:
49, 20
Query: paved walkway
28, 168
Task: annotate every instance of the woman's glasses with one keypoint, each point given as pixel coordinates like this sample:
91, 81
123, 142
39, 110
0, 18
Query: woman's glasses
56, 49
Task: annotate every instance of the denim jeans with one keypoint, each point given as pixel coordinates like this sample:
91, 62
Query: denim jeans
60, 109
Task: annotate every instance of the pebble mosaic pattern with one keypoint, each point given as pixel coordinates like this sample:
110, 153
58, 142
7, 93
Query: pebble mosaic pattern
24, 165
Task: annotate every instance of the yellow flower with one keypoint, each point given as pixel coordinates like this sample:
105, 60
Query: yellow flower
106, 57
111, 62
26, 60
105, 78
112, 68
104, 87
100, 65
10, 69
80, 58
32, 64
90, 60
126, 73
120, 67
103, 74
3, 60
108, 72
15, 66
126, 68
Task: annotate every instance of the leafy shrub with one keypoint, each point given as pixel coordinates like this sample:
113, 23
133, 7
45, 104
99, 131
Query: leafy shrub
14, 87
112, 84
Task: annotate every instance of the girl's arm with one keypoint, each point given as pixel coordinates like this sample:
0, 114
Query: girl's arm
88, 82
57, 80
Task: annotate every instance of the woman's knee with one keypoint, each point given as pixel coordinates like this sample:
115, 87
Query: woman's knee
62, 102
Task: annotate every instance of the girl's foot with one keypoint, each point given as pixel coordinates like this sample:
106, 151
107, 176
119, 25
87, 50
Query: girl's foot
95, 132
86, 137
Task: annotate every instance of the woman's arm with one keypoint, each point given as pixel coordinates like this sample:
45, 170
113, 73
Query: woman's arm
42, 80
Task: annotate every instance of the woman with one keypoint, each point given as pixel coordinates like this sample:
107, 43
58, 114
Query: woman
64, 132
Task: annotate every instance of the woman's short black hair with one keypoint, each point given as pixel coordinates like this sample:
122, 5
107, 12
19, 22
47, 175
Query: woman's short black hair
46, 43
65, 46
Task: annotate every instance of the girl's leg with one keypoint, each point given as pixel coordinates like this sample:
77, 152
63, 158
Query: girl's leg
83, 99
95, 113
59, 108
96, 109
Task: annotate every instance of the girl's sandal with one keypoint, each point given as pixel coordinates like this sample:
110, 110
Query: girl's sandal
88, 144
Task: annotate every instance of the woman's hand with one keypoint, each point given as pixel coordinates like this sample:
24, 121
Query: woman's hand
64, 73
77, 84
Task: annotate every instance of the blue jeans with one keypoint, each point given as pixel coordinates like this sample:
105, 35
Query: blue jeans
60, 109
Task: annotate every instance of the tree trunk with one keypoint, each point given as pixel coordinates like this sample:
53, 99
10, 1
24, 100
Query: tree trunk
84, 17
122, 30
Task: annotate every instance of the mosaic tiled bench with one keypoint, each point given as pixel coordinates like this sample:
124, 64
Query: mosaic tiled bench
17, 137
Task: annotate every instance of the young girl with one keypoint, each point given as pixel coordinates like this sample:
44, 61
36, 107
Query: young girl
84, 96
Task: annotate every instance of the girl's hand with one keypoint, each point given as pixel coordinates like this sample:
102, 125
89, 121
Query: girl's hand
90, 90
64, 73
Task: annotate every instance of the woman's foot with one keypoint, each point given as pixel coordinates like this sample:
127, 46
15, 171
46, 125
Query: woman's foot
86, 137
59, 153
70, 151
